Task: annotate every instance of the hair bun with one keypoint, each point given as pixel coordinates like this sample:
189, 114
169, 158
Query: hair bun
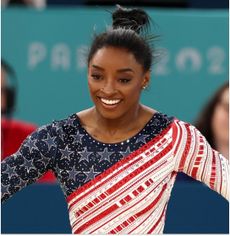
135, 19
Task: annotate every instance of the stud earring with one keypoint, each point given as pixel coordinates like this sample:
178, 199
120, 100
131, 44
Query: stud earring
144, 87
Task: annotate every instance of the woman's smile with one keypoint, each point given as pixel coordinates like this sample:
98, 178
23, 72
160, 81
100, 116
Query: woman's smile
110, 103
115, 85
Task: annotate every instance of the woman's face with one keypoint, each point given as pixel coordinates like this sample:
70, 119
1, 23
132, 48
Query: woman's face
115, 81
220, 120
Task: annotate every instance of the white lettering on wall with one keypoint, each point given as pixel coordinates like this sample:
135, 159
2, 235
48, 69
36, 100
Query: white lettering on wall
188, 59
162, 59
82, 56
60, 57
36, 54
216, 57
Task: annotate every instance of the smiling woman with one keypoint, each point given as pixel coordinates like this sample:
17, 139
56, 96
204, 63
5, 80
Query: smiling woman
115, 86
117, 161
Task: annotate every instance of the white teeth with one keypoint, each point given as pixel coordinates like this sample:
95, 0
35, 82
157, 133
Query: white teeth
110, 102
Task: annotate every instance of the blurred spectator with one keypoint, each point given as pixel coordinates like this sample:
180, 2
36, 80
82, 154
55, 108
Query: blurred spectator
28, 3
13, 132
213, 121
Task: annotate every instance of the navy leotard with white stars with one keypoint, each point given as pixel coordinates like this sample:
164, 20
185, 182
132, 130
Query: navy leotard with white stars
71, 153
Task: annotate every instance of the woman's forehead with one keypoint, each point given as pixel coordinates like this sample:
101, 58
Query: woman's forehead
114, 56
113, 50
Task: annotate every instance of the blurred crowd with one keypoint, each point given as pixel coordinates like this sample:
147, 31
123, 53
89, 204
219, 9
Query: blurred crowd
213, 121
13, 131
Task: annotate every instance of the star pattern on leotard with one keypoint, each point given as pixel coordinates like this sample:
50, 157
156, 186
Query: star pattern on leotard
70, 122
31, 144
74, 155
4, 190
60, 131
65, 153
84, 155
22, 182
10, 171
50, 141
141, 138
126, 152
105, 155
91, 174
77, 138
73, 172
28, 164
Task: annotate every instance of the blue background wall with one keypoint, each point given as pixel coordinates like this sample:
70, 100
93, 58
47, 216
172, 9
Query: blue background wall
47, 50
41, 208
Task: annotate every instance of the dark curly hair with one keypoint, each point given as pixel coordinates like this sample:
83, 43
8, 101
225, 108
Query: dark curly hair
129, 31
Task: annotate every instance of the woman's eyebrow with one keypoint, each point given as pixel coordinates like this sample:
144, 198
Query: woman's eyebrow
119, 70
125, 70
97, 67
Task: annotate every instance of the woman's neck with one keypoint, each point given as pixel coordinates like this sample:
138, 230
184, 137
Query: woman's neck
126, 122
115, 130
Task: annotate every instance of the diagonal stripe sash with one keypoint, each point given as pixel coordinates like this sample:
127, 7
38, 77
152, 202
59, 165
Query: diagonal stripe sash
129, 197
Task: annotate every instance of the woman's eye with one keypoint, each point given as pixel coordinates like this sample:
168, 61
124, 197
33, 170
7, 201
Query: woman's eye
124, 81
96, 77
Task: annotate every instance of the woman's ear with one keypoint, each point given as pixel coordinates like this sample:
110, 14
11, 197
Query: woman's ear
146, 80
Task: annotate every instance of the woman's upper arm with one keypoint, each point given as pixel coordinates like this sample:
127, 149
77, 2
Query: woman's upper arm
34, 158
196, 158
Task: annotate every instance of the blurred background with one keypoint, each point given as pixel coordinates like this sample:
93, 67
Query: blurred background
45, 42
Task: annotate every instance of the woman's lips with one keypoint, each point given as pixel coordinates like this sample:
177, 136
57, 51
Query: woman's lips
110, 103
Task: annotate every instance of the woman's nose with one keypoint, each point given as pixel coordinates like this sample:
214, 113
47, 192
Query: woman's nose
109, 88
